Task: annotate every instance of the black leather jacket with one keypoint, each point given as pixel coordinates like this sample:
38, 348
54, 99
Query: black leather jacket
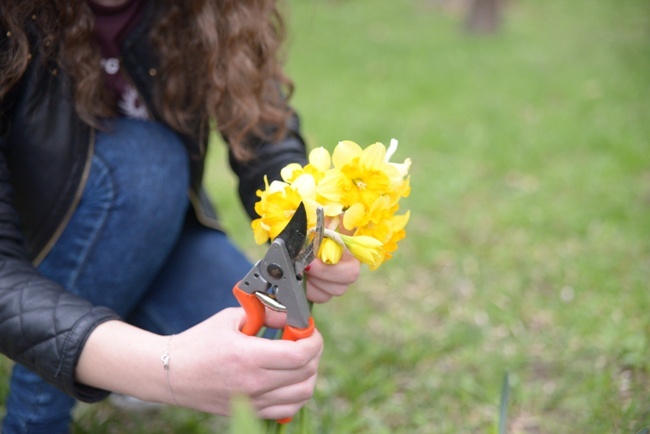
45, 154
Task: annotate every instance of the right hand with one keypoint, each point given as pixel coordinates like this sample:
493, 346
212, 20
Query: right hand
214, 360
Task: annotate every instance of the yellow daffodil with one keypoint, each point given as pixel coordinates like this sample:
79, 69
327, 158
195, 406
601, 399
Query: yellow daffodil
389, 231
317, 181
359, 191
364, 168
330, 251
323, 194
319, 163
366, 249
359, 215
278, 203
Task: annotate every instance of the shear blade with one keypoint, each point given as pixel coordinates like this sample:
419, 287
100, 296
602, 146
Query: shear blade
295, 232
270, 302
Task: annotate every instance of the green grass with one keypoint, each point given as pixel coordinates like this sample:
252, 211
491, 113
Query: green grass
528, 250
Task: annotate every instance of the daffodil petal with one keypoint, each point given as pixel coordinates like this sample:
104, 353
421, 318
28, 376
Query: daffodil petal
289, 171
305, 185
355, 216
404, 167
344, 152
399, 222
330, 185
392, 148
260, 234
320, 159
373, 157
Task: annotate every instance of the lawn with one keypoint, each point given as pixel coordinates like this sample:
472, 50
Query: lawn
528, 249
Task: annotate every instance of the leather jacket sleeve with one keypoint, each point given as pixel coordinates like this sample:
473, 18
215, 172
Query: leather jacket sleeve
270, 159
42, 326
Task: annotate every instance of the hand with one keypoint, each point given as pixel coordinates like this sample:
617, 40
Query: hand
326, 281
209, 363
213, 361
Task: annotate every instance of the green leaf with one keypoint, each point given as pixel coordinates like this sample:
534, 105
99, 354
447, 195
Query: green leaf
503, 410
244, 420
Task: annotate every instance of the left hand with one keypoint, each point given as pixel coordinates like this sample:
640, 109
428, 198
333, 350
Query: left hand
326, 281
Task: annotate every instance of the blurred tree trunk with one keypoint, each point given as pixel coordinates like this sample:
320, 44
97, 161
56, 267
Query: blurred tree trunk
484, 16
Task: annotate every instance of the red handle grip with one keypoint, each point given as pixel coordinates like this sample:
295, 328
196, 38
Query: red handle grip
293, 334
254, 309
255, 312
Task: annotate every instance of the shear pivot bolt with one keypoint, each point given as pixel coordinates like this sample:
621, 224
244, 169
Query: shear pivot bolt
275, 270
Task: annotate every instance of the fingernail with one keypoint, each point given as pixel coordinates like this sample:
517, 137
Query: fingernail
308, 267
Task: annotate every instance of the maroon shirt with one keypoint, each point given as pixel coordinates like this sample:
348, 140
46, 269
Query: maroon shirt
112, 24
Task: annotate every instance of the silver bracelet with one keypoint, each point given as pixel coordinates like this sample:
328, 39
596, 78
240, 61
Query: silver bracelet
165, 361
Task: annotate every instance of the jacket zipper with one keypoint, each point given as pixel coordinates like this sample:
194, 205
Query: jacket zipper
206, 221
75, 202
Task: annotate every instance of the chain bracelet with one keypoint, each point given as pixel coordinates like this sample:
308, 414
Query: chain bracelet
165, 361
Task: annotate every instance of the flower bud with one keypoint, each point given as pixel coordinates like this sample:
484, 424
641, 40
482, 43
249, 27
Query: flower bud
330, 251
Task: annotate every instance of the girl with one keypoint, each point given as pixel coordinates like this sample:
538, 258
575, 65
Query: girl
111, 255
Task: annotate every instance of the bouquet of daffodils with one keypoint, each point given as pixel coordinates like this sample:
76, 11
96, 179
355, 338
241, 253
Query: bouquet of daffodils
359, 191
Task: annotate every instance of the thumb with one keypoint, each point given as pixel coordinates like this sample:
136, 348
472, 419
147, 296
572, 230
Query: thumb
232, 318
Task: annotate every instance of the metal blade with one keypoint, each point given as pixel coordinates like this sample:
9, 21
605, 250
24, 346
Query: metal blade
295, 232
309, 253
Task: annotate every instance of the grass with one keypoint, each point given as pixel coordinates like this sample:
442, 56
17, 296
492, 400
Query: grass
528, 251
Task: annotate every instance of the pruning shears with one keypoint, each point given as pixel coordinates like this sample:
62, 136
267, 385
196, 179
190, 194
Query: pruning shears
276, 281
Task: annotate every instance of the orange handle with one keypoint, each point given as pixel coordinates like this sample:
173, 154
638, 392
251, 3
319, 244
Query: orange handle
255, 312
254, 309
293, 334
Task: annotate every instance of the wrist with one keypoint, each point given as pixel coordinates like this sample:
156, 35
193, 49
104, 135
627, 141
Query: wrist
122, 358
166, 362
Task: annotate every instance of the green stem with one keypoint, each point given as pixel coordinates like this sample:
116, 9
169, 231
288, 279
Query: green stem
303, 421
505, 397
272, 426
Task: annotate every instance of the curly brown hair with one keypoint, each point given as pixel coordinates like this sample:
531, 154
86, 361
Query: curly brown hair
220, 59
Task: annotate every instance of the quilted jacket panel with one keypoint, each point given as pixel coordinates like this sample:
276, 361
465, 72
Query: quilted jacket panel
42, 326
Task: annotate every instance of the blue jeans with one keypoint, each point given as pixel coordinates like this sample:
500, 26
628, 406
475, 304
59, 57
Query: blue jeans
128, 246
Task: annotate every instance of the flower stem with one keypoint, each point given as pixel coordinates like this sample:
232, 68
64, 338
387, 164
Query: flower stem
333, 235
